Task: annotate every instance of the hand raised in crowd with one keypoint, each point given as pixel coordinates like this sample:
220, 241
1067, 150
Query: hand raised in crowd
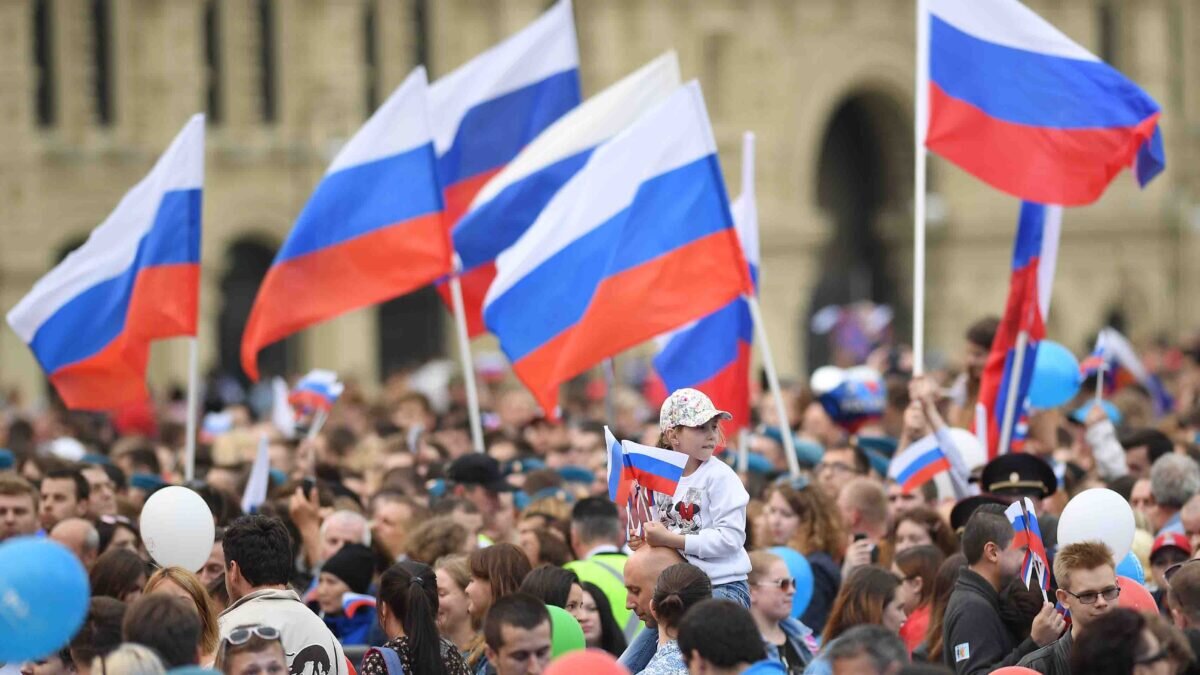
1095, 415
857, 554
914, 420
1048, 625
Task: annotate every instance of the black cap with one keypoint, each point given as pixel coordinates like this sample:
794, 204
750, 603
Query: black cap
1018, 474
962, 511
478, 469
353, 564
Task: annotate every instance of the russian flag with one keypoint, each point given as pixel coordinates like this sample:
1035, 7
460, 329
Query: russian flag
1018, 104
618, 478
371, 231
639, 242
1028, 534
918, 464
494, 105
318, 390
510, 202
1035, 254
713, 354
653, 468
91, 319
1127, 368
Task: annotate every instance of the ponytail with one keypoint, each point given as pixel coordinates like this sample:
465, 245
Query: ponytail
679, 587
409, 589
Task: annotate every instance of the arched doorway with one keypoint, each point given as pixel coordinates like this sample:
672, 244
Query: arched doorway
411, 331
864, 179
246, 263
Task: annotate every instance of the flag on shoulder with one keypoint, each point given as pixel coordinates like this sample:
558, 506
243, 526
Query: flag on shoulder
510, 202
918, 464
371, 231
90, 321
639, 242
1035, 254
1027, 110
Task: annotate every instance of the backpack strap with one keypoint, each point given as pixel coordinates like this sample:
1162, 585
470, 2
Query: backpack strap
391, 660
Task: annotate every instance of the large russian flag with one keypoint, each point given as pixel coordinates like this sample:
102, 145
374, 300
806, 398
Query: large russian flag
639, 242
371, 231
91, 319
713, 354
1021, 106
491, 107
1035, 253
512, 200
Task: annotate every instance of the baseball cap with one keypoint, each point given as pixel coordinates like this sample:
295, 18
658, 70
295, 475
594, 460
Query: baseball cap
478, 469
689, 408
1175, 539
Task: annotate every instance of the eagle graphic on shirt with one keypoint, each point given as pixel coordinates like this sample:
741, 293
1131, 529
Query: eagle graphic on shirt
680, 517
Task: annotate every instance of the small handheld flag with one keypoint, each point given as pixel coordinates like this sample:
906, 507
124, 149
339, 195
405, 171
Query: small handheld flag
918, 464
1028, 534
313, 398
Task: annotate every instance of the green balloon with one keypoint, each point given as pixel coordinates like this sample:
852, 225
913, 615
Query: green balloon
566, 635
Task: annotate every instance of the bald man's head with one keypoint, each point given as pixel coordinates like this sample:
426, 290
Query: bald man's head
80, 536
641, 573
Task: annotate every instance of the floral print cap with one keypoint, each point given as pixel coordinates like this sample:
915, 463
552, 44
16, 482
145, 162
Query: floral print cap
689, 408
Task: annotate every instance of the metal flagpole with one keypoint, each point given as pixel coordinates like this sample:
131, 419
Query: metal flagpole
464, 352
920, 122
785, 429
1014, 384
193, 408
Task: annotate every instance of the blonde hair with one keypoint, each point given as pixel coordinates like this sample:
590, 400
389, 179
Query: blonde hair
1085, 555
456, 566
129, 659
190, 583
760, 562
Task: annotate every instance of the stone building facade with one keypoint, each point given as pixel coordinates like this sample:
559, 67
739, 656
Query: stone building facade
92, 90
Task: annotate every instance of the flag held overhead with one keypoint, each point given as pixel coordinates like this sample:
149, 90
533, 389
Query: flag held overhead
91, 319
637, 243
1021, 106
371, 231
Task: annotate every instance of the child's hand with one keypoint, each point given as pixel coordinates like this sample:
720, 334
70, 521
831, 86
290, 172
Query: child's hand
635, 542
656, 534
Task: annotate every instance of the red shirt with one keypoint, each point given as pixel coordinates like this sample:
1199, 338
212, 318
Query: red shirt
914, 628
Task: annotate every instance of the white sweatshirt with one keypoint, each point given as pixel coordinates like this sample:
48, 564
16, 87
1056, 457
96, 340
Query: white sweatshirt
709, 509
306, 639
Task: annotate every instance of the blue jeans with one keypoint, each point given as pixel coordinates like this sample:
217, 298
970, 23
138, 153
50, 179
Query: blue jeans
645, 644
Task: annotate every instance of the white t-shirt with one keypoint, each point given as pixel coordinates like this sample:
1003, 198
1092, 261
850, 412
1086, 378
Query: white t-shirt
709, 509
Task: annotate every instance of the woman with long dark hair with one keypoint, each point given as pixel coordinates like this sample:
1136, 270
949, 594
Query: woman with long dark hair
119, 574
595, 617
408, 608
943, 586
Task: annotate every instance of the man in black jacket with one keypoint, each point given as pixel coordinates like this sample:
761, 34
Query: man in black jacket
1087, 587
975, 638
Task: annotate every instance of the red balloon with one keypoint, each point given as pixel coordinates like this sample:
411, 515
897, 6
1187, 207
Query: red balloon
1135, 596
586, 661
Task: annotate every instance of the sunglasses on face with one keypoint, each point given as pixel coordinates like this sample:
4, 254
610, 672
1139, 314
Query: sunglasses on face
241, 636
784, 584
1109, 594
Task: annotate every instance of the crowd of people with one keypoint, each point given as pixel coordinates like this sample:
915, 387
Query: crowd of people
387, 544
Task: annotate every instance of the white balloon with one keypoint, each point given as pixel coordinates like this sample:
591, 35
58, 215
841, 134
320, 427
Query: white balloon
973, 454
177, 528
1098, 514
826, 379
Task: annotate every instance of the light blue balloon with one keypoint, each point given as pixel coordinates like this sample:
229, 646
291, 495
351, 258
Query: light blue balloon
44, 598
1056, 377
1132, 567
801, 571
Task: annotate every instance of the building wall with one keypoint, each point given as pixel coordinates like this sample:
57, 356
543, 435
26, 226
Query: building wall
782, 68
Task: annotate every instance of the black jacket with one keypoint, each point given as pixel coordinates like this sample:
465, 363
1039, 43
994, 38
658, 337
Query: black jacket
974, 638
1053, 659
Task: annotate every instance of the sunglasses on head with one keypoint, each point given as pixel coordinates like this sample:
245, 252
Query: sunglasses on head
1170, 571
241, 636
